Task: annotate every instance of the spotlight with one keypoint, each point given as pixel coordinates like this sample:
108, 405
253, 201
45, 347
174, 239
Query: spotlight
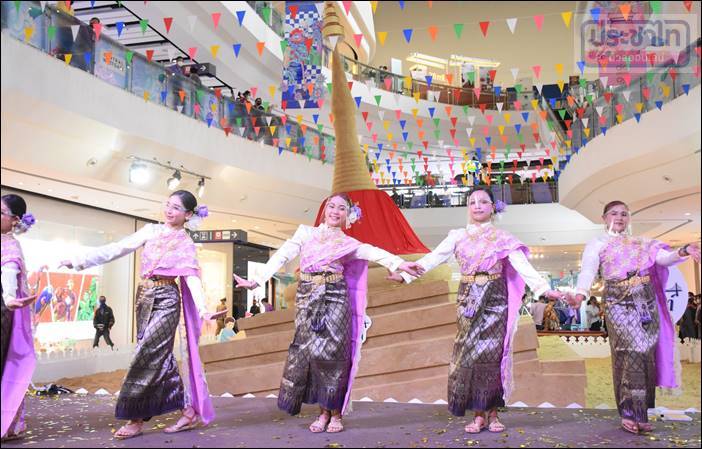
174, 181
138, 173
201, 187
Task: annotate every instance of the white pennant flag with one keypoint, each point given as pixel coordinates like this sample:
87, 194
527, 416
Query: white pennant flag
499, 106
585, 121
43, 5
471, 120
242, 130
268, 120
599, 110
515, 72
539, 86
74, 30
469, 131
191, 22
381, 114
603, 80
627, 94
512, 24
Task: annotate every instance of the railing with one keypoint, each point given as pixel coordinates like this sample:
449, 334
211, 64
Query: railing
53, 33
414, 197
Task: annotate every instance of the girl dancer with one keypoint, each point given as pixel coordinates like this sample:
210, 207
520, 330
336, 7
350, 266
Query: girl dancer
153, 385
641, 332
331, 299
18, 359
494, 269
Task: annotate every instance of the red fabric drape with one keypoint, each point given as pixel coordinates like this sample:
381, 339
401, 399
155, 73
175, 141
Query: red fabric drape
382, 224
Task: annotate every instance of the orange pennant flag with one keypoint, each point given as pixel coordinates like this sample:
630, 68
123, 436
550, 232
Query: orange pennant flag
181, 94
432, 32
260, 46
108, 57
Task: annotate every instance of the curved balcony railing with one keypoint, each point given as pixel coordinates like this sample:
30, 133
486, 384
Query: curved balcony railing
116, 64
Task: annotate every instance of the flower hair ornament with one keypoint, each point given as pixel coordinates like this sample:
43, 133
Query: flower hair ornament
201, 212
353, 215
25, 222
500, 206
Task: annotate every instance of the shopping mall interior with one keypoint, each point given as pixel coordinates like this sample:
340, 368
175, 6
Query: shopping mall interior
109, 107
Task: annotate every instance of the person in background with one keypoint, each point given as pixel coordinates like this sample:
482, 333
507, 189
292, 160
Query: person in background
255, 309
537, 312
593, 314
229, 331
103, 320
687, 321
259, 104
267, 307
220, 321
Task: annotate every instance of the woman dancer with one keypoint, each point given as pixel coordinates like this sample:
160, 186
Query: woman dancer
641, 331
18, 359
331, 299
153, 385
494, 268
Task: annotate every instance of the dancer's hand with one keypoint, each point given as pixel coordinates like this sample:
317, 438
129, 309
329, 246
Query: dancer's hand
18, 303
412, 268
241, 282
66, 263
694, 251
394, 276
574, 300
214, 315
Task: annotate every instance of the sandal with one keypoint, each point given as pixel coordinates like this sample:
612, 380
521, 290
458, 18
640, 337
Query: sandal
495, 425
125, 433
476, 426
630, 426
184, 423
320, 424
645, 427
335, 425
13, 437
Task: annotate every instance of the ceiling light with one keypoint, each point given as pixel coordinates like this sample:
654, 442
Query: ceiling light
138, 173
174, 181
201, 187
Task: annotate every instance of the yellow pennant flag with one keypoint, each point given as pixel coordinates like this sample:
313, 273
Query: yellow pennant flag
560, 85
507, 117
28, 33
665, 88
559, 69
408, 82
390, 137
67, 57
272, 128
414, 112
587, 132
534, 104
299, 118
568, 143
501, 128
271, 90
566, 16
416, 97
214, 107
374, 6
639, 107
365, 148
619, 118
382, 35
386, 124
214, 49
287, 141
146, 95
472, 142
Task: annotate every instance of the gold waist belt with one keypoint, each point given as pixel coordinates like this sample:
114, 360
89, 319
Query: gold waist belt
632, 281
151, 283
321, 278
480, 279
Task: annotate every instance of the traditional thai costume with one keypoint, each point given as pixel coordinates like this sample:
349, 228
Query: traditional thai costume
324, 356
641, 331
153, 386
494, 268
18, 358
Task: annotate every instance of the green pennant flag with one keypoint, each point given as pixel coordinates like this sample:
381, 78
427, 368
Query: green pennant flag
550, 125
315, 58
17, 6
589, 98
283, 45
583, 83
562, 113
238, 122
649, 77
436, 122
266, 12
320, 127
410, 145
656, 7
377, 99
508, 149
329, 87
144, 24
458, 29
465, 110
627, 60
199, 93
266, 104
520, 138
51, 32
518, 88
128, 55
437, 133
471, 77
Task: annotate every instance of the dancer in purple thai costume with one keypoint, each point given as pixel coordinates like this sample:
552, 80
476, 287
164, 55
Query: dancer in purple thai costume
641, 331
494, 268
153, 386
331, 301
18, 358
